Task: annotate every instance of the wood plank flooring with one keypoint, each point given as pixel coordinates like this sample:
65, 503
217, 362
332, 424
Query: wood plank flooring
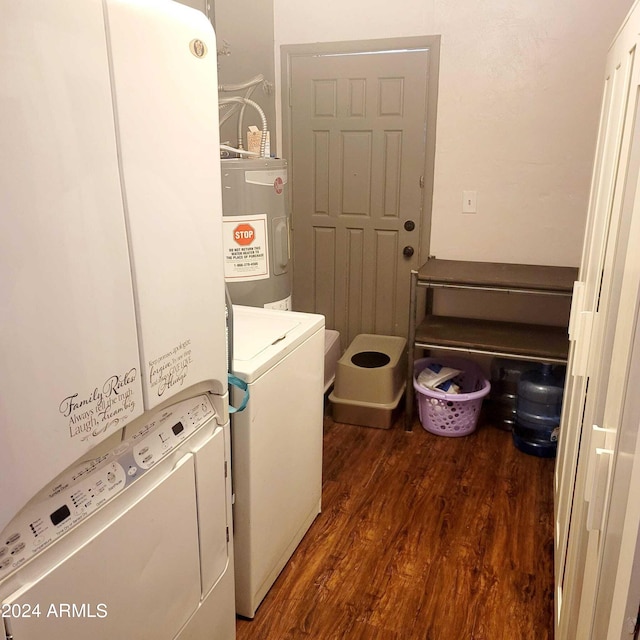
420, 537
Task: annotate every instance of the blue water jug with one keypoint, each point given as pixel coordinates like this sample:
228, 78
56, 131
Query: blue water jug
538, 409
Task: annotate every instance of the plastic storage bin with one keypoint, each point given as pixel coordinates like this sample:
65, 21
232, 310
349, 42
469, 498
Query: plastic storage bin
370, 381
451, 414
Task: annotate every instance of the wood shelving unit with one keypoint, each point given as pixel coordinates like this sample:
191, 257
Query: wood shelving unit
521, 341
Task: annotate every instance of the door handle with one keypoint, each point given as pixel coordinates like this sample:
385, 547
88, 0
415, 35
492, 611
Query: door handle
408, 251
599, 489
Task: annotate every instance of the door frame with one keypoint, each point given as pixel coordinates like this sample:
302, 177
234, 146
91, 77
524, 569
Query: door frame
430, 43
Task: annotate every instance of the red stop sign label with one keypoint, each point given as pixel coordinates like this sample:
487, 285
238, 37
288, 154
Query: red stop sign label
244, 234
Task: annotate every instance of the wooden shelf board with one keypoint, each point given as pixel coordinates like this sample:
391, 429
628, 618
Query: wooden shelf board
506, 276
489, 336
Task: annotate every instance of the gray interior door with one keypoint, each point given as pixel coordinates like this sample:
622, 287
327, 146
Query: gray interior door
361, 142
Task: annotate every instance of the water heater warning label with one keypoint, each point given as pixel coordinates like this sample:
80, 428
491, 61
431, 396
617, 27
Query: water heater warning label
244, 234
246, 247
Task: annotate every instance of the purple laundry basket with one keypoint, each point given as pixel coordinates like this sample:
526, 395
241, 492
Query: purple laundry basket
451, 414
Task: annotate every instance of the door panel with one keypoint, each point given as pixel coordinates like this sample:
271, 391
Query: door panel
172, 199
608, 151
617, 585
602, 346
70, 373
358, 155
136, 577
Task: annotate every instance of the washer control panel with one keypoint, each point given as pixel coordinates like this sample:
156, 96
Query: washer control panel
85, 487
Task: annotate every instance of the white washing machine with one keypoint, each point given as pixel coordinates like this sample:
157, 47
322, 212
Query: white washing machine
276, 443
133, 543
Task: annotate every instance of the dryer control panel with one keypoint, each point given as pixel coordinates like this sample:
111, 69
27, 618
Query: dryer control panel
87, 486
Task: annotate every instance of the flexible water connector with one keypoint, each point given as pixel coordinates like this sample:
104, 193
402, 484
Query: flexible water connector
263, 117
227, 88
250, 85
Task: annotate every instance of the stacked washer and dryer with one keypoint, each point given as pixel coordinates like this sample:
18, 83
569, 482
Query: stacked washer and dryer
113, 315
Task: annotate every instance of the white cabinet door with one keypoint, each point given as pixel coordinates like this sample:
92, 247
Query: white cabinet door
618, 581
69, 372
586, 294
602, 321
166, 93
599, 244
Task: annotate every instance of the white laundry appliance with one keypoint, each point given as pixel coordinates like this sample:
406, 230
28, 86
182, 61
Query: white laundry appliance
113, 314
277, 443
133, 543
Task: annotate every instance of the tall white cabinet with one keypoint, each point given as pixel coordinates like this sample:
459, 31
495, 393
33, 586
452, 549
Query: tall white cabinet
598, 466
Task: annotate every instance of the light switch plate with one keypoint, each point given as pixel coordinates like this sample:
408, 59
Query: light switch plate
469, 201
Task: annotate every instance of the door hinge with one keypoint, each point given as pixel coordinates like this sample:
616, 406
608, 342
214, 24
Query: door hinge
226, 469
421, 181
576, 308
227, 534
583, 330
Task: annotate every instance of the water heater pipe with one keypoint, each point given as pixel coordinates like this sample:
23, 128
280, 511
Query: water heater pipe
250, 85
226, 88
247, 84
263, 117
242, 152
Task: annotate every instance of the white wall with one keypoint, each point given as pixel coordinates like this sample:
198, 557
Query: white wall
519, 99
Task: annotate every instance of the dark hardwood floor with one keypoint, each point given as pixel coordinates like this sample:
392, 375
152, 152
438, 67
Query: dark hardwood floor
420, 537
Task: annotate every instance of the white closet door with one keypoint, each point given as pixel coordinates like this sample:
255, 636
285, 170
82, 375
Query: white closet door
586, 299
165, 81
617, 589
69, 364
601, 351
